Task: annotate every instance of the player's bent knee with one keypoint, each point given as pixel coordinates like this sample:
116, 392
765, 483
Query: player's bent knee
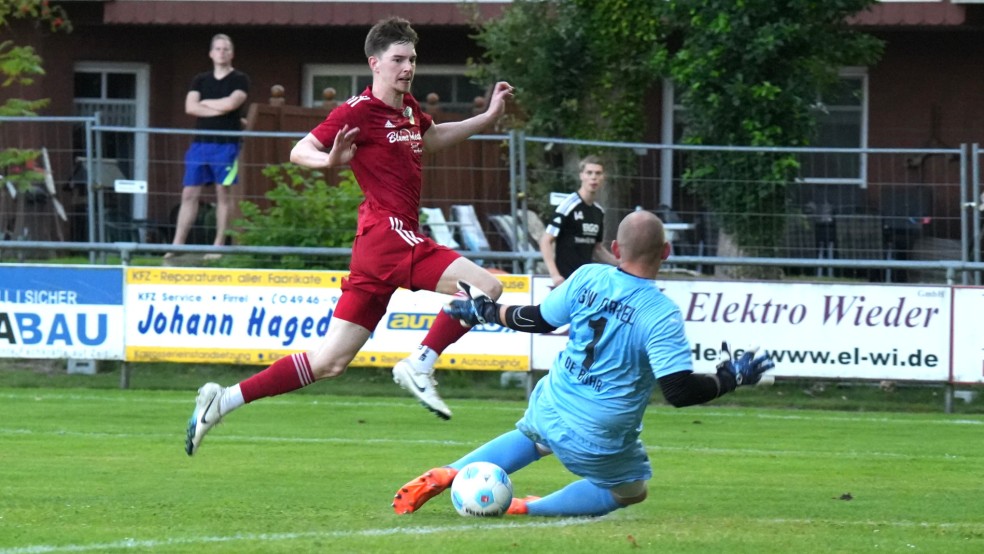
326, 369
329, 372
491, 287
630, 493
629, 500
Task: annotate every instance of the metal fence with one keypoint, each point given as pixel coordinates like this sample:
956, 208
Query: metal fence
875, 214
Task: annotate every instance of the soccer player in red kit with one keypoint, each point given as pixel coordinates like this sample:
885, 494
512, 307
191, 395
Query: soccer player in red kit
381, 133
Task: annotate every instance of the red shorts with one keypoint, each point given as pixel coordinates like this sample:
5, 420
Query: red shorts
387, 255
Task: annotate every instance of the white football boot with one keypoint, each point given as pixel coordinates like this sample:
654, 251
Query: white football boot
421, 385
205, 416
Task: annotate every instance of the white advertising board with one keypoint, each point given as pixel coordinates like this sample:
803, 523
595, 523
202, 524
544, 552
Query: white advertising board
968, 337
258, 316
812, 330
849, 331
61, 312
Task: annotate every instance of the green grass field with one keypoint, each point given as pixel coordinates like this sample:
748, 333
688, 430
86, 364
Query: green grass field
103, 470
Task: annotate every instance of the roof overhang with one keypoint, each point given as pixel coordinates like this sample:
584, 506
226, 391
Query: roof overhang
915, 14
295, 12
897, 13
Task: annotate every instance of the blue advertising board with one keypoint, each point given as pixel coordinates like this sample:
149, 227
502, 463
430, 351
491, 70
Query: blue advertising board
61, 312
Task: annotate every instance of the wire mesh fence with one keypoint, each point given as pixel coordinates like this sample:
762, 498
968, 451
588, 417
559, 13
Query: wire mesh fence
492, 194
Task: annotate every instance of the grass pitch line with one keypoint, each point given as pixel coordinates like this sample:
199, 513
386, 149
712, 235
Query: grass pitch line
147, 544
188, 399
399, 401
485, 525
851, 455
770, 414
967, 526
234, 438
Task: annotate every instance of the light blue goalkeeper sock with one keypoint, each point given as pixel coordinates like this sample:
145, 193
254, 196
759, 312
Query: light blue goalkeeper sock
511, 451
580, 498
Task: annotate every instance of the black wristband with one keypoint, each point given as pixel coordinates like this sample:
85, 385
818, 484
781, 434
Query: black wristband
527, 319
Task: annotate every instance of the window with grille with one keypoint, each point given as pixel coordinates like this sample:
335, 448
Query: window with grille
456, 91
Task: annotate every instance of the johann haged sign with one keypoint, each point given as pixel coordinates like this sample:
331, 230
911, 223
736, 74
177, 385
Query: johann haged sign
257, 316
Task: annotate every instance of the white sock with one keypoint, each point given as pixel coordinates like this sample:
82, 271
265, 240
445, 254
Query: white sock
422, 360
231, 399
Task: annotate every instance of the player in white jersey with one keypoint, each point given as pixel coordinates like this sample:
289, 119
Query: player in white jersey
625, 338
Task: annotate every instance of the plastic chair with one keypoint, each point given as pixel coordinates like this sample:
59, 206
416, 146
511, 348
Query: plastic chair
439, 228
469, 230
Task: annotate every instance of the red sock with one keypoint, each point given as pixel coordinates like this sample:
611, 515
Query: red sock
445, 331
286, 374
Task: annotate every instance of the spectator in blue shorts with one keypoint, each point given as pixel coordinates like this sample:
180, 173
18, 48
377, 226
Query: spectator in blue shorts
626, 337
216, 98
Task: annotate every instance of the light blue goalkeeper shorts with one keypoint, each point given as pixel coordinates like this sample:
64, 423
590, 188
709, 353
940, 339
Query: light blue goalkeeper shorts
602, 466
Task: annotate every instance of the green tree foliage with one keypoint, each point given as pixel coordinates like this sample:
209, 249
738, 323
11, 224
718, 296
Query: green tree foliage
749, 73
304, 211
18, 66
581, 68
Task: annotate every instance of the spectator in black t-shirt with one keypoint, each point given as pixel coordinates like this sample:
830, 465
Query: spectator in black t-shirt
573, 236
216, 98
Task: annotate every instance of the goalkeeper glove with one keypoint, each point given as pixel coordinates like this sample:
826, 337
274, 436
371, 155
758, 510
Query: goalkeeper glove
478, 309
747, 370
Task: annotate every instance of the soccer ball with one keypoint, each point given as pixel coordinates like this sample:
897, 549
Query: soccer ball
481, 489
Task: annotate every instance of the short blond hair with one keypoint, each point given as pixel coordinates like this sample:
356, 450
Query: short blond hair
587, 160
221, 36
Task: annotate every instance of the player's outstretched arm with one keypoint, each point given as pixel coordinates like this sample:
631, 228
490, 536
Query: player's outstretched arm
686, 388
480, 309
443, 135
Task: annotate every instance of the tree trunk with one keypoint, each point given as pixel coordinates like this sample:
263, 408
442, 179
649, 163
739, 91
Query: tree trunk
728, 248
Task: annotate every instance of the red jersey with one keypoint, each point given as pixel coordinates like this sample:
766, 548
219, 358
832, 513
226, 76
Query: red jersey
387, 163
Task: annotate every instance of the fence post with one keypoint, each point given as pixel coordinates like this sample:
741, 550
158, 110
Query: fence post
524, 191
124, 375
666, 149
966, 166
90, 201
975, 201
100, 194
513, 208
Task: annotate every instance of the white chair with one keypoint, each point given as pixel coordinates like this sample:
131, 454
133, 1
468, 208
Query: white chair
530, 229
469, 230
440, 229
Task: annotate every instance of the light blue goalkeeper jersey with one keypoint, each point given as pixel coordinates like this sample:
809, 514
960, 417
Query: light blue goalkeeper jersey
624, 334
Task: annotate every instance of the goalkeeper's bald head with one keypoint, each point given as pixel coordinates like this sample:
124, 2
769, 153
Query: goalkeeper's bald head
640, 243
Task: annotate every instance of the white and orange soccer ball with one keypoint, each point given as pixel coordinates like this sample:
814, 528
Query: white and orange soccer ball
481, 489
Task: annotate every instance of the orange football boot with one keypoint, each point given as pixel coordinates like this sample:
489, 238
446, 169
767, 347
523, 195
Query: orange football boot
517, 506
414, 494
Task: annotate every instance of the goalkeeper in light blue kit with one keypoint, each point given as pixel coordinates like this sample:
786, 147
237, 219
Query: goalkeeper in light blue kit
625, 338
